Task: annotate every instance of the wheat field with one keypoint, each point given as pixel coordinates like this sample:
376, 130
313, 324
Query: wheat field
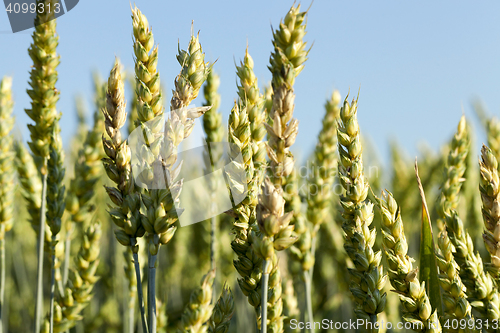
133, 229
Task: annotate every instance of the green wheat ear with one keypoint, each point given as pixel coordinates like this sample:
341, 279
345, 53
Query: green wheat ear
367, 277
198, 311
222, 313
6, 157
416, 308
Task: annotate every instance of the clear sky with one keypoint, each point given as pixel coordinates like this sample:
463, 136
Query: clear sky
416, 62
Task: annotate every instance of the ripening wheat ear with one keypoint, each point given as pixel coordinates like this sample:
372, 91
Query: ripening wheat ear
222, 312
481, 290
55, 205
490, 195
87, 171
416, 308
320, 183
214, 131
198, 311
125, 214
251, 99
367, 277
6, 177
286, 63
83, 277
44, 96
454, 171
454, 298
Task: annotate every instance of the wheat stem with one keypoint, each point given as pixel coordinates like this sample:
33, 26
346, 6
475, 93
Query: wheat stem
133, 242
2, 277
263, 307
52, 286
41, 234
152, 284
308, 290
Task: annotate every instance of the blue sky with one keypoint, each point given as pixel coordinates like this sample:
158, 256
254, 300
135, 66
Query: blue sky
417, 63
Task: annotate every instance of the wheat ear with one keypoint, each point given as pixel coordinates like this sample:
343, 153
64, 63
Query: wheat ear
55, 205
44, 96
251, 99
198, 311
87, 172
417, 308
222, 312
247, 263
83, 278
212, 125
357, 217
481, 290
286, 63
490, 196
320, 183
493, 136
454, 171
6, 178
125, 214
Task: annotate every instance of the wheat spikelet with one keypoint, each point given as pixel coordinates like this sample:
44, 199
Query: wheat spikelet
417, 308
357, 216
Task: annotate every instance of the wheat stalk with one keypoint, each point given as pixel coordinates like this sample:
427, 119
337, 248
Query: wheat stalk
357, 216
6, 178
417, 308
